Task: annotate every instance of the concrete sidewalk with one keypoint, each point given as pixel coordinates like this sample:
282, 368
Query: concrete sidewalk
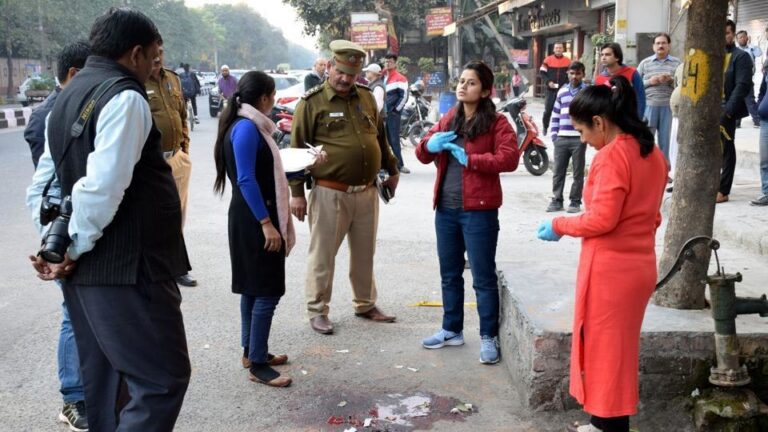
737, 223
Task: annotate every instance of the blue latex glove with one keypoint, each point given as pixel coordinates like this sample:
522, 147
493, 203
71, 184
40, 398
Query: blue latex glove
546, 232
459, 153
438, 140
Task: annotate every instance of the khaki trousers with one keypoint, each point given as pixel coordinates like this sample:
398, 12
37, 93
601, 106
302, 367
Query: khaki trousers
181, 166
333, 215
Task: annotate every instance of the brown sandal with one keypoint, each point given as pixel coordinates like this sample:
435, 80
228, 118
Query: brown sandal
280, 381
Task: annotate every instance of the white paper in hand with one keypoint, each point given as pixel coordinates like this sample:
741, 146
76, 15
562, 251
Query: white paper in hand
296, 159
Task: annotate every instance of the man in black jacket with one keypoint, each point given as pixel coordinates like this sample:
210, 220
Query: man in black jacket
736, 85
70, 60
125, 230
317, 76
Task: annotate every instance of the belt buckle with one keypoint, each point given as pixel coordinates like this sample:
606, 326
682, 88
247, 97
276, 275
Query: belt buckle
355, 189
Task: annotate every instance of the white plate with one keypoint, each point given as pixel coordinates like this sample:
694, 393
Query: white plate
296, 159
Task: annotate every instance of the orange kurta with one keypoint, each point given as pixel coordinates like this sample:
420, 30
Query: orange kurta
616, 275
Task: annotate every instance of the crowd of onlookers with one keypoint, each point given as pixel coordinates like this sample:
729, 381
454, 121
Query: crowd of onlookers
657, 82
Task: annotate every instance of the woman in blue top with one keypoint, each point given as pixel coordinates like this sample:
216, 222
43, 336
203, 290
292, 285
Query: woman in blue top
261, 231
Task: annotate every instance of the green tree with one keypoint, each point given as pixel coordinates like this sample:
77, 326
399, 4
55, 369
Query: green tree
236, 33
16, 18
244, 46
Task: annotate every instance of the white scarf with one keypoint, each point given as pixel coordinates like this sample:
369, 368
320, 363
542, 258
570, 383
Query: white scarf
267, 128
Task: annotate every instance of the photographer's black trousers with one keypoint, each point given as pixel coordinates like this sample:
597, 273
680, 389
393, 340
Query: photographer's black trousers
130, 336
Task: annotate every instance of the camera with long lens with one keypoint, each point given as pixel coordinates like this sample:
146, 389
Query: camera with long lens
56, 211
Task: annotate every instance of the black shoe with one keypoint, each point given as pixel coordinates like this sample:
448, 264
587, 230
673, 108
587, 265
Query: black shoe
669, 189
574, 207
555, 206
74, 415
186, 280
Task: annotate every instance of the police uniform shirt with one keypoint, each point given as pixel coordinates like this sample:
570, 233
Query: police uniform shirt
169, 110
351, 132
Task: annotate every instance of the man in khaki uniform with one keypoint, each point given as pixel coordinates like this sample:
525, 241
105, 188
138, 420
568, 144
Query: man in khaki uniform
169, 111
342, 116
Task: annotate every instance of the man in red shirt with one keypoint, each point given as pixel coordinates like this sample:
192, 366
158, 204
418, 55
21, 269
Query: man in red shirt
612, 59
554, 72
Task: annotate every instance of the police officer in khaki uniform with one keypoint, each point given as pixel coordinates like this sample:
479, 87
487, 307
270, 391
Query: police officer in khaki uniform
342, 116
169, 112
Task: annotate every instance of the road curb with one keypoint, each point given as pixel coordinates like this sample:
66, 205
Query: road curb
13, 117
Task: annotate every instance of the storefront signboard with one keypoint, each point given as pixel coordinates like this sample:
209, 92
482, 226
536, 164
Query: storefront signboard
370, 35
437, 19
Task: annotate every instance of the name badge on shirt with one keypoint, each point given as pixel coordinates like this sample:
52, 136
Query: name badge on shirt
149, 92
337, 114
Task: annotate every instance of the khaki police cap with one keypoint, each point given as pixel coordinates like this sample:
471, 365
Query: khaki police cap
348, 55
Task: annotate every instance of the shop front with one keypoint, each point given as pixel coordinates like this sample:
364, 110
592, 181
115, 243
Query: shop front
544, 23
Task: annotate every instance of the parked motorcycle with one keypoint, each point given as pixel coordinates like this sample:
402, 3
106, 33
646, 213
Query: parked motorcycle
413, 119
282, 115
283, 134
533, 151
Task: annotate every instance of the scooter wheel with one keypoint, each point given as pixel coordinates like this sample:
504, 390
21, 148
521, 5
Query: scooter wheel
536, 160
418, 131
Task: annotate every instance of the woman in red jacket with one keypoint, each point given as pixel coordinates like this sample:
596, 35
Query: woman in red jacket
471, 145
617, 265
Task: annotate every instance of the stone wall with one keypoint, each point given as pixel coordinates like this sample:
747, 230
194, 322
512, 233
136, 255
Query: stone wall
672, 363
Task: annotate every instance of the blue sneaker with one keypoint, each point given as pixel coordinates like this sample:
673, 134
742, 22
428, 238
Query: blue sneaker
489, 350
443, 338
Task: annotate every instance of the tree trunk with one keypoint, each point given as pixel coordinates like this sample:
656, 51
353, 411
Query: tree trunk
700, 154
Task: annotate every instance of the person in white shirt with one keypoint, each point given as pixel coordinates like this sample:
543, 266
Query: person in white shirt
376, 84
122, 247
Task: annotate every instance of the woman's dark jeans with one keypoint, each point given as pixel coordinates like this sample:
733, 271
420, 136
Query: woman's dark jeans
477, 233
256, 317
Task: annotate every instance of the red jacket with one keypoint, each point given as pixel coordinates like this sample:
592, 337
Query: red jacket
488, 155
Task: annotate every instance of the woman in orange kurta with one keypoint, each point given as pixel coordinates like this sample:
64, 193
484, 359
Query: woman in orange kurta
617, 265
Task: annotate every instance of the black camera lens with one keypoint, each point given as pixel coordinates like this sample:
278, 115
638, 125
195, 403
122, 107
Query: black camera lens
57, 239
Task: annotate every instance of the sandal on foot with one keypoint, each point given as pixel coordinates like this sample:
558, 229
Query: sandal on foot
264, 374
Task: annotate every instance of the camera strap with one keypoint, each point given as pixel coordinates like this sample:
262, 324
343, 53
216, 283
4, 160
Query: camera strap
82, 120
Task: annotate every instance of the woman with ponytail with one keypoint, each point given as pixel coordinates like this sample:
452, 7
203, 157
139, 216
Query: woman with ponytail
261, 230
617, 265
471, 145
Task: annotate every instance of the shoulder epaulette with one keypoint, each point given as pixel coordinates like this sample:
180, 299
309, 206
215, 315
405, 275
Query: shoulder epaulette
363, 86
313, 91
171, 71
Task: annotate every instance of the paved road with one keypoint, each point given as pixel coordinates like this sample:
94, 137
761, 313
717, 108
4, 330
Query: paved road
368, 366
